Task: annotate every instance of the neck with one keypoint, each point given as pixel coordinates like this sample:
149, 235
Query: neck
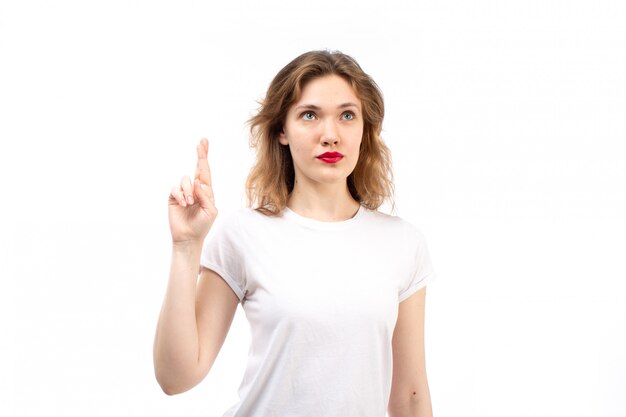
324, 202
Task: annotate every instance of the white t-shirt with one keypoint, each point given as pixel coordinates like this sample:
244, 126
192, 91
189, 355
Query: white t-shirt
322, 302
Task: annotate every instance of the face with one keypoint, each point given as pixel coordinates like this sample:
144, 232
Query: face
324, 129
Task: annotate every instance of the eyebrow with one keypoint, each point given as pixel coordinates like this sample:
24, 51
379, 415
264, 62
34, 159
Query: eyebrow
318, 108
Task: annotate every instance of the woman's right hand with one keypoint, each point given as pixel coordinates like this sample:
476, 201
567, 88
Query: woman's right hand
191, 206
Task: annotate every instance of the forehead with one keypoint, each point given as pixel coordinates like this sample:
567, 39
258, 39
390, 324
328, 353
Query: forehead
329, 90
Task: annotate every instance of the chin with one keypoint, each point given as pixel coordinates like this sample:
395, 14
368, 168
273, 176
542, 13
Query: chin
334, 175
332, 180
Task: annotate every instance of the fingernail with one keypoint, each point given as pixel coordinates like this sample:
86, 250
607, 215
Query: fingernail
190, 199
184, 203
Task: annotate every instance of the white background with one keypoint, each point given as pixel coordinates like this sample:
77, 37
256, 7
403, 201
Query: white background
506, 120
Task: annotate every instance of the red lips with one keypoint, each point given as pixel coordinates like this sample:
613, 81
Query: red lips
330, 157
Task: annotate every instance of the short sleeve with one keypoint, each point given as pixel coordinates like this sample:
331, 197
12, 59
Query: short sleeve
421, 271
222, 253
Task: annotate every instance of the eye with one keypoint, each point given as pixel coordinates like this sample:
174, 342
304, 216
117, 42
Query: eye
348, 116
308, 115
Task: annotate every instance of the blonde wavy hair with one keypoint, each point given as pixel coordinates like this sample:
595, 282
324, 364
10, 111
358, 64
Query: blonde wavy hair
271, 178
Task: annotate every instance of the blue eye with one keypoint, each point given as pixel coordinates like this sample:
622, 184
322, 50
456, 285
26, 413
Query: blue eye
348, 116
308, 115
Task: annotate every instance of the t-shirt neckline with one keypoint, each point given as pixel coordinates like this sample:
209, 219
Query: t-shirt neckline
323, 225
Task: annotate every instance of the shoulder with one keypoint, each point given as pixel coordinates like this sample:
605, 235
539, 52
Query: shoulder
394, 225
242, 219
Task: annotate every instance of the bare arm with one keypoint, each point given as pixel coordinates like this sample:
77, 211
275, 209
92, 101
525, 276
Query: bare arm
410, 395
194, 321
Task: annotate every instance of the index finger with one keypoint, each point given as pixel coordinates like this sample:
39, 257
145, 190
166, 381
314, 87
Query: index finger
203, 172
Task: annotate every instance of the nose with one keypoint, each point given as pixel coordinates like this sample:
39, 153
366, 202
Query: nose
330, 135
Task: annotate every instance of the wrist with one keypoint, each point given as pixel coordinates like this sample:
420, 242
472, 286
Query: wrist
187, 245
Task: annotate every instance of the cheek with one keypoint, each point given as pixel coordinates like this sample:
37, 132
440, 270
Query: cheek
358, 138
297, 150
355, 132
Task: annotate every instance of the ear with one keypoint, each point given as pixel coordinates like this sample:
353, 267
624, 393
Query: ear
282, 137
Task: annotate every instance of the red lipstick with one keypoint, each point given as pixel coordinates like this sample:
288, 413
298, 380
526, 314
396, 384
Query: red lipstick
330, 157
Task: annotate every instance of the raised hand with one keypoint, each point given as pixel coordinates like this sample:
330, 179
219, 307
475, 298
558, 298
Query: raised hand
191, 206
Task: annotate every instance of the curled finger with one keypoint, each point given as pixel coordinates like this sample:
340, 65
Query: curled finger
177, 195
187, 187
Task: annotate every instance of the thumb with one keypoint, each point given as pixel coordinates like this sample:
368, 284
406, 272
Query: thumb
200, 190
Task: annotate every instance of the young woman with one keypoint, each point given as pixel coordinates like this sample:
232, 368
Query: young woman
333, 289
